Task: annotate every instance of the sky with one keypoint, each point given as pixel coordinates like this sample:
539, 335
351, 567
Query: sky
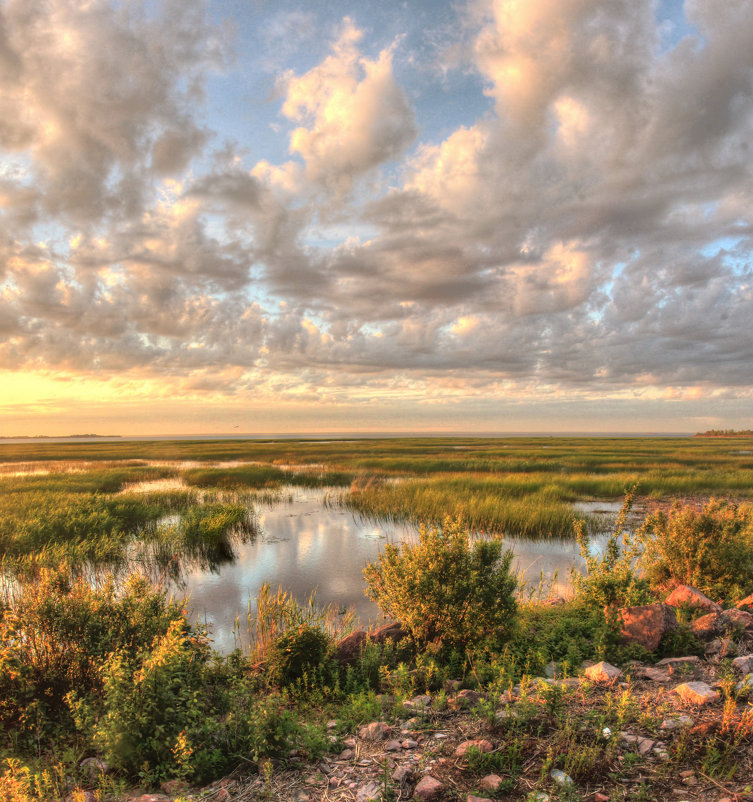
247, 216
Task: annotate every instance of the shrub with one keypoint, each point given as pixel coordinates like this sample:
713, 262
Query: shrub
612, 578
446, 586
56, 632
710, 549
296, 652
153, 704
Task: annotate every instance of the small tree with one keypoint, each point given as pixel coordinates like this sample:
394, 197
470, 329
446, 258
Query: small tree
448, 586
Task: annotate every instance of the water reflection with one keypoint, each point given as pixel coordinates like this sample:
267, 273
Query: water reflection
303, 545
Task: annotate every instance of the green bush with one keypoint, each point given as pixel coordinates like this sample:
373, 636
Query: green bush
153, 705
56, 633
297, 651
710, 549
447, 586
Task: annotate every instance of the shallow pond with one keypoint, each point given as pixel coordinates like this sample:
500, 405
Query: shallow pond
305, 545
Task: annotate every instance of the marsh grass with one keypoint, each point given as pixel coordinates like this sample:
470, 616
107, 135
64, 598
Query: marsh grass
278, 612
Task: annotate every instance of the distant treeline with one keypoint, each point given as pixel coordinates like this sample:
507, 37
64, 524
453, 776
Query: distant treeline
726, 433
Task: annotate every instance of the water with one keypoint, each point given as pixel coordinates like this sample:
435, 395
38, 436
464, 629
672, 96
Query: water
305, 545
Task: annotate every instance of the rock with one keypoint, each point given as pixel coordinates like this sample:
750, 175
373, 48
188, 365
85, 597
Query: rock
653, 674
603, 672
645, 745
675, 664
423, 700
746, 603
743, 664
95, 766
349, 648
737, 620
376, 731
173, 787
479, 743
402, 773
393, 632
724, 647
685, 595
346, 754
491, 782
371, 792
676, 723
707, 626
473, 798
560, 777
465, 699
409, 743
745, 684
646, 624
392, 746
697, 693
428, 789
151, 798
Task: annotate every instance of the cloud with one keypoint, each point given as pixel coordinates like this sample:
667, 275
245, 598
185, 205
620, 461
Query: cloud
353, 114
588, 233
96, 96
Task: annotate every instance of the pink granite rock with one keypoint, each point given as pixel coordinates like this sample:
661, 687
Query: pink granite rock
646, 624
428, 789
603, 672
697, 693
685, 595
478, 743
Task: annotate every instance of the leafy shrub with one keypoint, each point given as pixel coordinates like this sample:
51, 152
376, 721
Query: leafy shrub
296, 652
446, 586
154, 704
56, 633
710, 549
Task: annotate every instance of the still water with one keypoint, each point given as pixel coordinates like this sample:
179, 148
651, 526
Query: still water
305, 545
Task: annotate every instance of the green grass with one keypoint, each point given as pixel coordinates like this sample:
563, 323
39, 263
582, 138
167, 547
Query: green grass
519, 486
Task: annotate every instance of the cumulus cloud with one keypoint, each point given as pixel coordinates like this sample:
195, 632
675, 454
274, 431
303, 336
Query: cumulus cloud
353, 114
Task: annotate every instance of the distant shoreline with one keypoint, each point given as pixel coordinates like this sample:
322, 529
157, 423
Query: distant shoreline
60, 436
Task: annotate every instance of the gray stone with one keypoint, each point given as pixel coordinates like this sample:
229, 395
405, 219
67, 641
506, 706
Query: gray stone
743, 664
676, 723
392, 746
371, 792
